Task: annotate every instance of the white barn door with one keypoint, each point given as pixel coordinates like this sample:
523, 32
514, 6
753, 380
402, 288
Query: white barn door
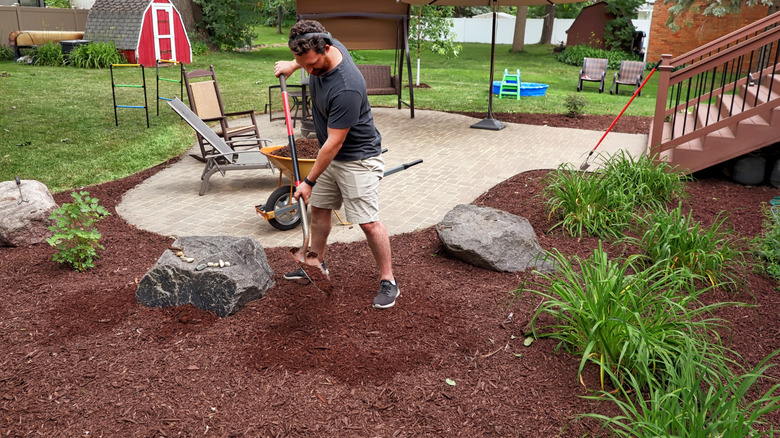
164, 39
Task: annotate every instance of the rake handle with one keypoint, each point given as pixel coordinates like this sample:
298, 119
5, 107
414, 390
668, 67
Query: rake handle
290, 134
636, 92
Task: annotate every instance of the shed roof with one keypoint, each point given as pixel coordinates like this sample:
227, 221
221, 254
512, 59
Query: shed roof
116, 20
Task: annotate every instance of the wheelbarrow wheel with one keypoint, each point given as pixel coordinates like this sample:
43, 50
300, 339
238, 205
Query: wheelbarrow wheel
281, 198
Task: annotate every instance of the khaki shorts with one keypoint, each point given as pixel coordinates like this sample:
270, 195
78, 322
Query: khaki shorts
355, 184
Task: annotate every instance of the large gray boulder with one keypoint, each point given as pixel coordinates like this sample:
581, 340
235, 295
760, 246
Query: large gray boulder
492, 239
244, 275
24, 217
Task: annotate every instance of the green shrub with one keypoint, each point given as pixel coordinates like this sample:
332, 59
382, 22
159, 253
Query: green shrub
574, 104
574, 55
199, 48
693, 400
767, 244
6, 53
76, 242
603, 203
622, 318
681, 243
49, 54
649, 183
584, 205
95, 55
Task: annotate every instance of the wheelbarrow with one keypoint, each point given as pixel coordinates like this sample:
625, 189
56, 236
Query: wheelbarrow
281, 210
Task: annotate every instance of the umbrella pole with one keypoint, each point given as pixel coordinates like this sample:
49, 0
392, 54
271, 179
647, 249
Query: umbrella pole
490, 122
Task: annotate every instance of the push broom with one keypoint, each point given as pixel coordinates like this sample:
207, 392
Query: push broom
585, 164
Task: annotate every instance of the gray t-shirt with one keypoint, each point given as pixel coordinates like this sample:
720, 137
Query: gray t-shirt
340, 101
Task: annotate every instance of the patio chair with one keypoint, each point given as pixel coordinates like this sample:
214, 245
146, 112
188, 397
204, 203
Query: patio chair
206, 102
593, 70
222, 157
630, 73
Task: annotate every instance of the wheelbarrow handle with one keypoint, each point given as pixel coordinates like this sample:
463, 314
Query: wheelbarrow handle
402, 167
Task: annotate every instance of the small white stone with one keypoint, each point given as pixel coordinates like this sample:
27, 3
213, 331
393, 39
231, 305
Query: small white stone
227, 264
221, 263
210, 264
188, 259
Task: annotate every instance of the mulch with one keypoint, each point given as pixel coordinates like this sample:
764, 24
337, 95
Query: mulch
82, 358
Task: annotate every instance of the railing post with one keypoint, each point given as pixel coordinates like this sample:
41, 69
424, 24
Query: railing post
664, 72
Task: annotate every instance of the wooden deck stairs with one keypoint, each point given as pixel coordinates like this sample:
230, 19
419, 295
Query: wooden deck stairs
720, 101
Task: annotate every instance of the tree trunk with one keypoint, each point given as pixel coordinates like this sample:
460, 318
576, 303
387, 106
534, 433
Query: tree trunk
547, 27
279, 17
518, 41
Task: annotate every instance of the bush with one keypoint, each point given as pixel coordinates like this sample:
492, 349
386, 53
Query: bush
620, 317
75, 241
230, 22
603, 203
574, 104
678, 241
199, 48
574, 55
767, 245
49, 54
96, 55
6, 53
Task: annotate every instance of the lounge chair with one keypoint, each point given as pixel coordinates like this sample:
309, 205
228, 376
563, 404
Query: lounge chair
630, 73
593, 70
206, 102
222, 157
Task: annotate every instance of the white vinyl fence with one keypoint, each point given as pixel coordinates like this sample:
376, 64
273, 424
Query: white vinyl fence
478, 30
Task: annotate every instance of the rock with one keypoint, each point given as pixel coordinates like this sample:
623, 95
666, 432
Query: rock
492, 239
25, 223
173, 282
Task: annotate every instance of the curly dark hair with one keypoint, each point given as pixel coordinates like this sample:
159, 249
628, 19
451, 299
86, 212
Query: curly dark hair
303, 45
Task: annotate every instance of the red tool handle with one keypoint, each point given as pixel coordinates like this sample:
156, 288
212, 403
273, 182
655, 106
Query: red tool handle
636, 92
290, 134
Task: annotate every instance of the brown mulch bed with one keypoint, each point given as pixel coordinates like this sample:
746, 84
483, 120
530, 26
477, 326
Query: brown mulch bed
82, 358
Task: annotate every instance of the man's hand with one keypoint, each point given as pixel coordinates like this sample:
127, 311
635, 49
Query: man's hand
303, 190
285, 67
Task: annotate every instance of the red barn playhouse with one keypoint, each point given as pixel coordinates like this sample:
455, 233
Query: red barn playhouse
143, 30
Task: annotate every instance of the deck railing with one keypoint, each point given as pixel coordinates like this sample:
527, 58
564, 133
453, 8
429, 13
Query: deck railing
700, 82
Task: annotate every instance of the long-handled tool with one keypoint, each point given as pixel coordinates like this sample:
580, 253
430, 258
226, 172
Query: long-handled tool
585, 164
303, 256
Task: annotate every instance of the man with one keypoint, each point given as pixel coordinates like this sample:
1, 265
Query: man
349, 164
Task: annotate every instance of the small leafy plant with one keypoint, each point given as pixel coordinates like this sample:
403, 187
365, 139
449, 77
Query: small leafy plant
75, 238
574, 104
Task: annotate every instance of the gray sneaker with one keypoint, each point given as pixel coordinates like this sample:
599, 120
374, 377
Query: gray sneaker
388, 292
299, 276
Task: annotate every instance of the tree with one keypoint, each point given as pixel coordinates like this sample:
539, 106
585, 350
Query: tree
549, 21
518, 40
619, 33
277, 13
718, 8
432, 30
229, 22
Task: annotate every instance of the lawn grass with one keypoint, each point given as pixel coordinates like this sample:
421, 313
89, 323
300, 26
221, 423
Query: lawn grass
58, 122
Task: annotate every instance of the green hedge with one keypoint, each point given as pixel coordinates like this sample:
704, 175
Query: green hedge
573, 55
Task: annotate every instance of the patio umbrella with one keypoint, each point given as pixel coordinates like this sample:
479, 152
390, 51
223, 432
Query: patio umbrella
489, 122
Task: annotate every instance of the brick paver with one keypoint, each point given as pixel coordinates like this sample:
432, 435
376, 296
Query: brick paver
459, 164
